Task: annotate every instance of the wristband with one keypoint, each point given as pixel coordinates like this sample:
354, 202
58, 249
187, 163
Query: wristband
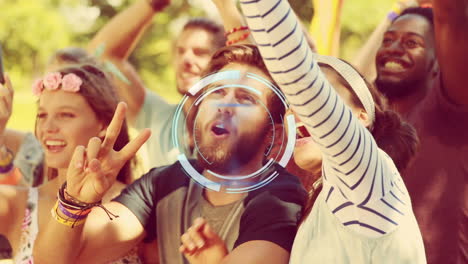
64, 221
241, 28
72, 204
392, 15
6, 169
81, 214
9, 156
234, 41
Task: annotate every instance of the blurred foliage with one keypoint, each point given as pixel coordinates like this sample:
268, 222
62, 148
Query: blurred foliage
358, 20
31, 30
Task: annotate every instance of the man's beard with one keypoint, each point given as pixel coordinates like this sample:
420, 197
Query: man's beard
224, 156
397, 90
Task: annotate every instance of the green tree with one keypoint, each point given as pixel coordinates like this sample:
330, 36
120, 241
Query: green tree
31, 30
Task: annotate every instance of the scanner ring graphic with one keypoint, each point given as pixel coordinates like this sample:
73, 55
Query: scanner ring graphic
230, 184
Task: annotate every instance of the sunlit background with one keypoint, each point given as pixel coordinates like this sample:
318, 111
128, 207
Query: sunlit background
31, 30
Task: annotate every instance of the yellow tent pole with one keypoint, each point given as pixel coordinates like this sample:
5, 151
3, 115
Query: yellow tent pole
325, 26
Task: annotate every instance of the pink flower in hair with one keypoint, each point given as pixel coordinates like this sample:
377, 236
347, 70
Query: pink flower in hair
52, 81
71, 83
37, 87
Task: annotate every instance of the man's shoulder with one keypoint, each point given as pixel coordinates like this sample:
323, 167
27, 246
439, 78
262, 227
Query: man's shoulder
167, 179
284, 181
436, 109
438, 99
168, 174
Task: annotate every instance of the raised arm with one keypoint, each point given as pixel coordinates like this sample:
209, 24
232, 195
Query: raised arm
10, 140
451, 24
232, 18
364, 60
84, 244
124, 31
351, 156
120, 37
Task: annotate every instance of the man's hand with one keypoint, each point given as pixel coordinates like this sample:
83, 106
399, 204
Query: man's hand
93, 170
200, 244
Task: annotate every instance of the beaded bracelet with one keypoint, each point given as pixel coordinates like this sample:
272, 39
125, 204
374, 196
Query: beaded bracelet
241, 28
241, 38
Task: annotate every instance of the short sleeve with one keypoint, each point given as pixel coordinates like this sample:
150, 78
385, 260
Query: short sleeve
139, 198
273, 215
155, 110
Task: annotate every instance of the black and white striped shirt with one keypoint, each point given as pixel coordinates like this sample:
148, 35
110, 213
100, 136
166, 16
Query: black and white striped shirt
363, 188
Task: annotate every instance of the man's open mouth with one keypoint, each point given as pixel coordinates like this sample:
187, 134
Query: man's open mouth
219, 129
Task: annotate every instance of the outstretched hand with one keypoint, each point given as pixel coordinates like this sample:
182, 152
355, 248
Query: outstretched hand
93, 170
200, 244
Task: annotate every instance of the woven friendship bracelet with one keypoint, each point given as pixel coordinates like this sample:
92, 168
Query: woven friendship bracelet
241, 28
72, 204
241, 38
79, 216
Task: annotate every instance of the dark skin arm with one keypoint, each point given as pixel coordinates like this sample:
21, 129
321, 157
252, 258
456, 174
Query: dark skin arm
451, 23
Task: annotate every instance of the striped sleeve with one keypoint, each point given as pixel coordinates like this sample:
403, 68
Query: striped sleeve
358, 175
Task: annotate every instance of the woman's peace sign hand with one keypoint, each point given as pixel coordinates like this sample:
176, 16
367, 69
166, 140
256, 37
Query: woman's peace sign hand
93, 170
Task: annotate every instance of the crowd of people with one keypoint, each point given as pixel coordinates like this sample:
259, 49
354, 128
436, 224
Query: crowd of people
378, 146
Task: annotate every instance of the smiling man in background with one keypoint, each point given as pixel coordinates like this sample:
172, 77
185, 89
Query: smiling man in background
421, 68
193, 47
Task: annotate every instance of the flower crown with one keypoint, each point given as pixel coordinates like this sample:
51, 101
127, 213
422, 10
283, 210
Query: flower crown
52, 81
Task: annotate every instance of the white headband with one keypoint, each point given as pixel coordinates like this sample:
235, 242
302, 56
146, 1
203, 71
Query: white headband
354, 80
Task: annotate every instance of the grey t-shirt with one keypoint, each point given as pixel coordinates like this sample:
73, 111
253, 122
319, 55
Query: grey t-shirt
165, 201
158, 115
216, 216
